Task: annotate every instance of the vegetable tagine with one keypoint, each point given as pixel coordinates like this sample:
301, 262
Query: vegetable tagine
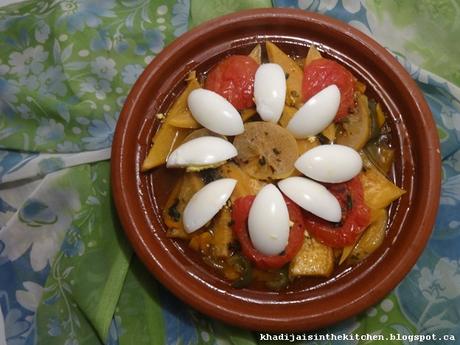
284, 167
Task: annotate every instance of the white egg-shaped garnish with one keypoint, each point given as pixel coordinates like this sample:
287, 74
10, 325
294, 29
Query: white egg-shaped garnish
214, 112
270, 91
312, 196
205, 203
316, 114
268, 221
330, 163
201, 152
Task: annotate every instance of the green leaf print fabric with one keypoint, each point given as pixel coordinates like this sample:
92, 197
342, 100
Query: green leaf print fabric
68, 275
67, 67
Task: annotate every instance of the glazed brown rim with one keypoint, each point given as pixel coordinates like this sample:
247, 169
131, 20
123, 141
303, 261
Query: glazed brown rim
277, 314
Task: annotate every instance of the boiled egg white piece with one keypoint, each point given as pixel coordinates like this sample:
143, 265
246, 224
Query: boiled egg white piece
202, 151
270, 91
312, 196
330, 163
268, 221
214, 112
205, 203
316, 114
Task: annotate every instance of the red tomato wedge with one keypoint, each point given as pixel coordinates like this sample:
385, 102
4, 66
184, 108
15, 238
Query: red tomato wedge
233, 78
355, 216
240, 214
321, 73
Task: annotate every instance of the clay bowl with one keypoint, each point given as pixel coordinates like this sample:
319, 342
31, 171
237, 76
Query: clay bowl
312, 303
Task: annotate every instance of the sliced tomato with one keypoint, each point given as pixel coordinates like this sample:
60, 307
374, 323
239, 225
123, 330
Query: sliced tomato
240, 214
355, 216
233, 78
321, 73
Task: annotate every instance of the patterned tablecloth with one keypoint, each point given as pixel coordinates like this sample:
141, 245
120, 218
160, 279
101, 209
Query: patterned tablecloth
67, 275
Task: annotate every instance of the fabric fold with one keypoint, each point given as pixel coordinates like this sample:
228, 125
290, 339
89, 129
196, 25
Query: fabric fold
88, 273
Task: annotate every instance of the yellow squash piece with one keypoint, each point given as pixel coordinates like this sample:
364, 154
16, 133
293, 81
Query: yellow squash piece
286, 116
171, 215
313, 259
330, 132
380, 115
179, 115
198, 133
256, 54
222, 233
293, 72
165, 140
313, 54
201, 242
266, 151
304, 145
355, 129
175, 127
248, 113
174, 208
370, 239
245, 185
379, 192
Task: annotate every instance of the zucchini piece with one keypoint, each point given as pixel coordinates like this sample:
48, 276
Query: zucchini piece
371, 239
